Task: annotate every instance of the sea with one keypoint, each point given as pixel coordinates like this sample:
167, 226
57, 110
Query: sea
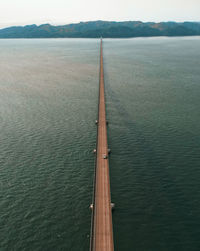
48, 108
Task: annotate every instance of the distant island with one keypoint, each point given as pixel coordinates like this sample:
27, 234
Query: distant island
106, 29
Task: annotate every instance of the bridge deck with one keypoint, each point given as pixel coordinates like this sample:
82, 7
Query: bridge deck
102, 239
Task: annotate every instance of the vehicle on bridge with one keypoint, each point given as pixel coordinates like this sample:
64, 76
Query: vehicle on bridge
105, 156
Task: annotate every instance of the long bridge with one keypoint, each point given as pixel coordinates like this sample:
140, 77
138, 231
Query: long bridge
101, 238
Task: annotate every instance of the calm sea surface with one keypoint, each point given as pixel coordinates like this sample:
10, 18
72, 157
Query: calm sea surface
48, 105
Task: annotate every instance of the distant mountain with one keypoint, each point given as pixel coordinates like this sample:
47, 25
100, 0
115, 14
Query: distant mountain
105, 29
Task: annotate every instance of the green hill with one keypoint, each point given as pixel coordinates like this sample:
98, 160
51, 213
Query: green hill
105, 29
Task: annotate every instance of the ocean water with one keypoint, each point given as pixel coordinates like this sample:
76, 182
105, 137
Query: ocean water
48, 105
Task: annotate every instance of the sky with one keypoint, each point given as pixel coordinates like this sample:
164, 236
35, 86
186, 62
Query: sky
22, 12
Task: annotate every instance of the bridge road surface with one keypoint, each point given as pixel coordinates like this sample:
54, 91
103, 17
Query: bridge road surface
102, 239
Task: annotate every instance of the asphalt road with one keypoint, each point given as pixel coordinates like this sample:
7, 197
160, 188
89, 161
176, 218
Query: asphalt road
103, 230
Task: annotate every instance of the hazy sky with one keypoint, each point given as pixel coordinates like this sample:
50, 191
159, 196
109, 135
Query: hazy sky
21, 12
